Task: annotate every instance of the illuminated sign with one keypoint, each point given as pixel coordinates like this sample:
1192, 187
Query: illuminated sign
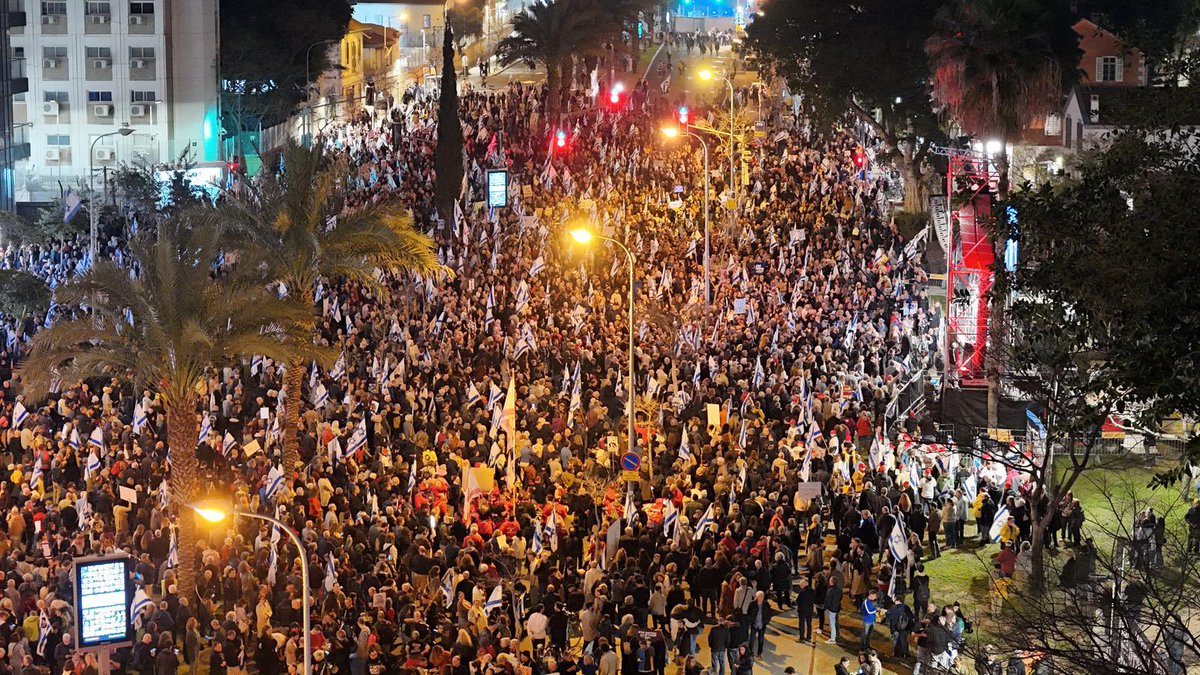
497, 189
102, 601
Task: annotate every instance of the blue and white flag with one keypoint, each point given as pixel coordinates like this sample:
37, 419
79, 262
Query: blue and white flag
670, 518
522, 297
164, 495
20, 414
35, 476
331, 577
84, 508
630, 511
139, 418
274, 482
140, 602
358, 439
539, 265
814, 433
494, 395
339, 367
319, 396
759, 373
705, 522
75, 442
536, 546
92, 467
43, 633
685, 448
448, 588
898, 541
999, 522
173, 551
273, 564
971, 487
228, 443
473, 395
96, 439
205, 428
495, 600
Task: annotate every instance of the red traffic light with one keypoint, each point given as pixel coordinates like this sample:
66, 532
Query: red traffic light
683, 115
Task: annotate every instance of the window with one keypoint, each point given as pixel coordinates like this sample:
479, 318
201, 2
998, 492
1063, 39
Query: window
59, 96
54, 53
1053, 125
58, 139
142, 97
99, 97
99, 52
141, 52
54, 8
94, 8
1109, 69
141, 8
426, 21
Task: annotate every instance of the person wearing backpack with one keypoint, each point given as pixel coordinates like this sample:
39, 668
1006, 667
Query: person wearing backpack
899, 619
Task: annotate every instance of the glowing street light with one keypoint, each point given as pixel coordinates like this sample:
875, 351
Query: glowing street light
584, 236
217, 510
706, 75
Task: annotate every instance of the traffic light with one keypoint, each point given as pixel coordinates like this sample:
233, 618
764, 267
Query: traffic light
614, 94
860, 159
560, 139
683, 115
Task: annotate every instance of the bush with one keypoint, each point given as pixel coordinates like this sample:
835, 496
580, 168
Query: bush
910, 224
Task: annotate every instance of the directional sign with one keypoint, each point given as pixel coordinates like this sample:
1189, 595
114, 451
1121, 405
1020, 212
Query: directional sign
630, 461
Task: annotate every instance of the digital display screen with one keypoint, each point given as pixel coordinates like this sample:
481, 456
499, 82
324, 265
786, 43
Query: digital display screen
102, 602
497, 189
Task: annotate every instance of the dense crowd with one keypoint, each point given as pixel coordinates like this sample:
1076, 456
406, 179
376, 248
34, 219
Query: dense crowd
442, 538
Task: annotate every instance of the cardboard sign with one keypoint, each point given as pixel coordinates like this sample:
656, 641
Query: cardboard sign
128, 494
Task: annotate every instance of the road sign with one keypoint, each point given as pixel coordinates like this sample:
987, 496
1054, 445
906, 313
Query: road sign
630, 461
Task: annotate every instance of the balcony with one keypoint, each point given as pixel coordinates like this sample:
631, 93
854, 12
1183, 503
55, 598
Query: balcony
18, 149
17, 77
16, 19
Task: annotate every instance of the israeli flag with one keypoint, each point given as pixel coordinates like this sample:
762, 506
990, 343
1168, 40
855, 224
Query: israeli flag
522, 296
536, 546
20, 414
75, 443
96, 440
999, 522
814, 433
696, 377
164, 495
898, 541
274, 562
705, 521
473, 395
630, 510
339, 367
495, 600
494, 395
274, 482
331, 577
320, 396
670, 517
140, 602
85, 510
139, 418
412, 476
205, 428
685, 449
173, 552
43, 633
538, 266
759, 374
448, 588
971, 487
35, 476
358, 439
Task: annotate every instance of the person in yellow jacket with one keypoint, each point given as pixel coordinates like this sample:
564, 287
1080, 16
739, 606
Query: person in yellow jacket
1009, 532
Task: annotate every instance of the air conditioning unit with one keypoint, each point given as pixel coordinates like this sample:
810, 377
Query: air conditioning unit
53, 154
105, 154
50, 107
102, 110
49, 63
137, 63
137, 20
137, 111
100, 18
101, 63
49, 19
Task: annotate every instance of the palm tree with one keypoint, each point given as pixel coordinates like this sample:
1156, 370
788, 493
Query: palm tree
1000, 64
296, 222
164, 331
548, 33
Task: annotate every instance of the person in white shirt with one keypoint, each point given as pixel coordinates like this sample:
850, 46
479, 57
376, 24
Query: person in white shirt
536, 625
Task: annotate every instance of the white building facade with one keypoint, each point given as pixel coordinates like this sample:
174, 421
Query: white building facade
95, 66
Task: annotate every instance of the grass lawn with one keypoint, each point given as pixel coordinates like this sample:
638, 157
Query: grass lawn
1110, 497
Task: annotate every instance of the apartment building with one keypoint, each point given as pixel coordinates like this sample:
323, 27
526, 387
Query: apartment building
95, 66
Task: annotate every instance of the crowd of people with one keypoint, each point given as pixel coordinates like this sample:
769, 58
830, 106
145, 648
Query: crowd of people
460, 493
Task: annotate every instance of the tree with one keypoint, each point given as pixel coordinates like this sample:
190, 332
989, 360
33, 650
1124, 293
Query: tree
465, 19
448, 153
1105, 247
997, 66
266, 60
22, 295
547, 34
864, 58
283, 220
1133, 616
185, 321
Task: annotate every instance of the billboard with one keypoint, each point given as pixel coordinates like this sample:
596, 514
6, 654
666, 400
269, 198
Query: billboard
497, 189
103, 593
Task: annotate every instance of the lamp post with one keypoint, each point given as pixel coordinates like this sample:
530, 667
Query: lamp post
308, 84
215, 512
707, 74
94, 206
585, 236
672, 132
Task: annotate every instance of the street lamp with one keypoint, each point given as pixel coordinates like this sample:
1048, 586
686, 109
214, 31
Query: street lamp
94, 207
706, 74
308, 82
216, 511
584, 236
672, 133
